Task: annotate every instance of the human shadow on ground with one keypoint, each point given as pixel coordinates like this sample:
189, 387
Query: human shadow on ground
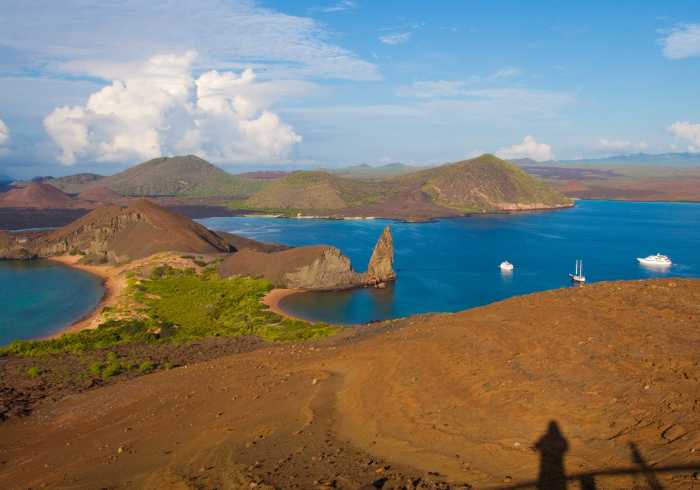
552, 447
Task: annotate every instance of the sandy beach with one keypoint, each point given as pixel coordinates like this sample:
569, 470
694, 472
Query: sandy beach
111, 281
273, 298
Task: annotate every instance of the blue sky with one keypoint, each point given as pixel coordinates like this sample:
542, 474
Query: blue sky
85, 86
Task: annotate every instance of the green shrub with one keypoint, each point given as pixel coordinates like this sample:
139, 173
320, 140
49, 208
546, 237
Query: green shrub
112, 369
96, 368
33, 372
146, 367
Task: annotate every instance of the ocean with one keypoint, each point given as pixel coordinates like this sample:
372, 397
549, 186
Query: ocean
453, 264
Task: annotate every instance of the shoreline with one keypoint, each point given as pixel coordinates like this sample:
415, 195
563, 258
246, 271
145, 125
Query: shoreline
273, 298
112, 288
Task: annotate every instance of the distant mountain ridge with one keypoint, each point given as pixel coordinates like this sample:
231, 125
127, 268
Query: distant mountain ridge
660, 159
71, 184
38, 195
366, 171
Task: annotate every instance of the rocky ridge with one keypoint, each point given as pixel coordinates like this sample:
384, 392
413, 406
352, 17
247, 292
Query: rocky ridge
315, 268
118, 234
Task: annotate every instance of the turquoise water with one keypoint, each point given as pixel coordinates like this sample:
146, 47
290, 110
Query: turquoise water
452, 264
38, 298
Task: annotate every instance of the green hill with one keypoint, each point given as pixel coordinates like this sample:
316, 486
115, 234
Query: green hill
486, 183
315, 190
180, 176
482, 184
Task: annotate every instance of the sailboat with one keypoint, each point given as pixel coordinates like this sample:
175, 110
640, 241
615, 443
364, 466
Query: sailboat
578, 276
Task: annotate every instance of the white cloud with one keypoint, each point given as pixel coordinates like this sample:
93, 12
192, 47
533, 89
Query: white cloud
158, 108
228, 34
340, 6
396, 38
620, 146
682, 42
4, 133
687, 131
507, 72
529, 148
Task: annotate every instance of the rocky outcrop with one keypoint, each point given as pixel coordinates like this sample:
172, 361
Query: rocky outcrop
317, 268
330, 270
380, 270
14, 247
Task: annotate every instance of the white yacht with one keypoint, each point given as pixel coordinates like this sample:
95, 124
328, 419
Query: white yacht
656, 260
506, 266
578, 276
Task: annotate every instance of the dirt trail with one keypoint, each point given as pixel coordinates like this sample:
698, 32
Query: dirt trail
447, 398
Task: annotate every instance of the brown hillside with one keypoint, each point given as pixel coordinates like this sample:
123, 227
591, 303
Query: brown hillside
123, 233
38, 195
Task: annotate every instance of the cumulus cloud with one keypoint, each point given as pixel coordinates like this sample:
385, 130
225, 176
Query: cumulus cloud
158, 108
529, 148
682, 42
620, 146
689, 132
396, 38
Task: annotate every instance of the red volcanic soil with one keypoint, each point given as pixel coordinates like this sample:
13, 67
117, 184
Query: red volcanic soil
598, 385
40, 196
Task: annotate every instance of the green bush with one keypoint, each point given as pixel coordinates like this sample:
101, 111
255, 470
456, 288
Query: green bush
33, 372
146, 367
112, 369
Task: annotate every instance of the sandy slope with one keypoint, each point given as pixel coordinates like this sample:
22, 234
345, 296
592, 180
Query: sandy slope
465, 396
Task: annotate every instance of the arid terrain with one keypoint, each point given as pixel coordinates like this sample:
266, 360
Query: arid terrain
598, 385
621, 182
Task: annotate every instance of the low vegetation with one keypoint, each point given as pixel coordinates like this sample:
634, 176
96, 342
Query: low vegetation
176, 305
482, 184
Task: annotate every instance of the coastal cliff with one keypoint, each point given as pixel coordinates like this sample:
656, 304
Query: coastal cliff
315, 268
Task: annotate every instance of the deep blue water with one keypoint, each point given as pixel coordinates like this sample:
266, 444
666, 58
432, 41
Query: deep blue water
452, 264
38, 298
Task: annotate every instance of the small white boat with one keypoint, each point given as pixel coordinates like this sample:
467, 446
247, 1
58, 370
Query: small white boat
657, 260
506, 266
578, 276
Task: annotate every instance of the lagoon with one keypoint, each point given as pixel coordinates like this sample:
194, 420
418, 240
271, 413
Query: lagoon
38, 298
452, 264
